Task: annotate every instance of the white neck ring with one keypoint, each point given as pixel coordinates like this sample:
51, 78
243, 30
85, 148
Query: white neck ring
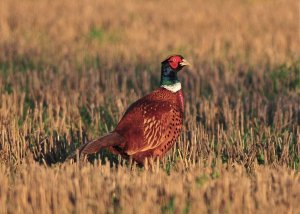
173, 88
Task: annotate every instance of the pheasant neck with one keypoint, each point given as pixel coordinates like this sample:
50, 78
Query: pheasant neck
169, 79
173, 88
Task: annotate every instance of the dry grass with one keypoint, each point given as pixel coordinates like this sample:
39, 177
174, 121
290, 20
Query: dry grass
193, 189
68, 72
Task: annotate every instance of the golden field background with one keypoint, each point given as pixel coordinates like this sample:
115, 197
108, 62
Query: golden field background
68, 71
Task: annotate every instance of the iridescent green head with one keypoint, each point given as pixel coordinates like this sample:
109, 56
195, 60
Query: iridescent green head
169, 69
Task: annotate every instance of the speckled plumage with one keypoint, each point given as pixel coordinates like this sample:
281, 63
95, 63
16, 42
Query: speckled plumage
152, 124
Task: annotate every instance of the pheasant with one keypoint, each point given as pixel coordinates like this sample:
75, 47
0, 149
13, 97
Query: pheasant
152, 124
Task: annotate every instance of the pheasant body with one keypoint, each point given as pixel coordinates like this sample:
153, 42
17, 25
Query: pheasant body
152, 124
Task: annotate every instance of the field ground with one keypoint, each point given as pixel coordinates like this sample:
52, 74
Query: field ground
68, 72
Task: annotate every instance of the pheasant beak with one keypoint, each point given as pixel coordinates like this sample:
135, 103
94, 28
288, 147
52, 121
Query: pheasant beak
184, 63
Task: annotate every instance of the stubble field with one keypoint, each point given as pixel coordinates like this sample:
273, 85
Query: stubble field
68, 71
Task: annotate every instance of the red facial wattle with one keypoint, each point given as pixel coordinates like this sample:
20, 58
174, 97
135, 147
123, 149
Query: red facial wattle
174, 61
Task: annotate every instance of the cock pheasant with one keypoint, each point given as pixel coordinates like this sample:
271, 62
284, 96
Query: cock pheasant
152, 124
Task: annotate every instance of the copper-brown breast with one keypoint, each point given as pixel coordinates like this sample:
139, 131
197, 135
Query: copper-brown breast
153, 123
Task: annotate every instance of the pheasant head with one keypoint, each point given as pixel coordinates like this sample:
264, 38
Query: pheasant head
169, 69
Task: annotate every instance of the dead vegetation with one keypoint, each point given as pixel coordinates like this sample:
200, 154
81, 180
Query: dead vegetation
187, 189
68, 72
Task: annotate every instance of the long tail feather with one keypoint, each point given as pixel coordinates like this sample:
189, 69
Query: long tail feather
111, 139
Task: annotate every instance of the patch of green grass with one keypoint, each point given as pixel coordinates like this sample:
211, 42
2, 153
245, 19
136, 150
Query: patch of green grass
187, 207
101, 35
293, 153
245, 136
28, 104
201, 180
96, 33
225, 157
215, 174
279, 77
283, 79
260, 158
85, 116
91, 62
169, 206
4, 68
8, 88
168, 167
20, 64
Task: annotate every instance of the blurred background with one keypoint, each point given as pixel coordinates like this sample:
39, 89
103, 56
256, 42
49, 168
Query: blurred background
133, 32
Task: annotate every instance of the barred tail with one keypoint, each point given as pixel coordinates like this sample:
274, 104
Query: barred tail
111, 139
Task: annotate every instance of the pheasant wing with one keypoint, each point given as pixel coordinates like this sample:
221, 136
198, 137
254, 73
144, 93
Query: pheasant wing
148, 124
